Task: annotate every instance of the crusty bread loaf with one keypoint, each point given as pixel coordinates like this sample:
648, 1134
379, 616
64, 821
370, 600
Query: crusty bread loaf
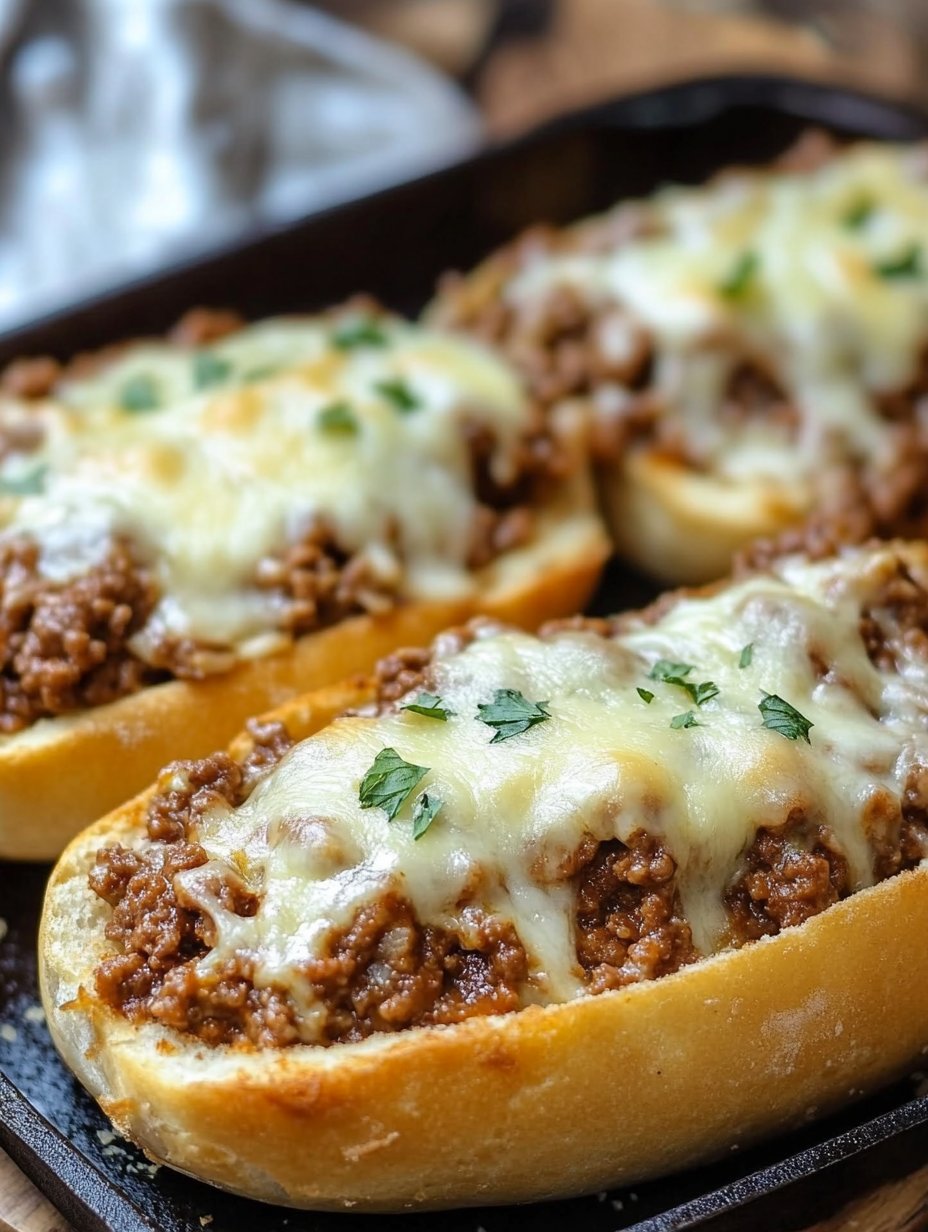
751, 351
594, 1090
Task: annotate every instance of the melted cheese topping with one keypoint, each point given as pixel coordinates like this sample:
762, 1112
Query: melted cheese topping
820, 278
604, 765
208, 481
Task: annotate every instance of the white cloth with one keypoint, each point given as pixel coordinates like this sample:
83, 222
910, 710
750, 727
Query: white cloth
140, 131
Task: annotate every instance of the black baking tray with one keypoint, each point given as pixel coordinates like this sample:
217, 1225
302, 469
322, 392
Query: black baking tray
394, 244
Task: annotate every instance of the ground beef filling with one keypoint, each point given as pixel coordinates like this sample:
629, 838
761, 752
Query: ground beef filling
388, 972
630, 926
408, 669
788, 875
894, 624
319, 583
160, 936
64, 646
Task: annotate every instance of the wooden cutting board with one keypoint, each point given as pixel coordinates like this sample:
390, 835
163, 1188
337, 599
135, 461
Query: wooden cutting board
22, 1207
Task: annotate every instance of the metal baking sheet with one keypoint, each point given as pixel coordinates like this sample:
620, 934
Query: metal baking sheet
394, 245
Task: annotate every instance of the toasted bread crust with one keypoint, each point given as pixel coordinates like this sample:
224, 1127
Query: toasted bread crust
504, 1108
60, 774
683, 527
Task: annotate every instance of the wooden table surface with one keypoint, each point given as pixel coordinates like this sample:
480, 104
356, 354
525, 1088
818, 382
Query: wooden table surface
596, 48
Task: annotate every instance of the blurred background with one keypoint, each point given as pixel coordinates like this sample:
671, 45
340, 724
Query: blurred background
140, 132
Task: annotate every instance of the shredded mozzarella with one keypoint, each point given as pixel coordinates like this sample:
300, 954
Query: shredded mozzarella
209, 481
603, 766
818, 278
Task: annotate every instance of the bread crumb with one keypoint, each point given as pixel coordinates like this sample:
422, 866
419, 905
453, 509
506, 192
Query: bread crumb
601, 1197
205, 1221
4, 928
618, 1204
34, 1013
8, 1033
149, 1170
105, 1136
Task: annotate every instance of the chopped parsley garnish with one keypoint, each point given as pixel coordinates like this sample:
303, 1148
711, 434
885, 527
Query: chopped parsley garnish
746, 656
687, 719
646, 695
426, 810
210, 370
858, 213
739, 278
398, 392
511, 714
389, 782
702, 693
907, 265
781, 717
430, 705
31, 483
669, 672
259, 374
140, 393
362, 332
337, 418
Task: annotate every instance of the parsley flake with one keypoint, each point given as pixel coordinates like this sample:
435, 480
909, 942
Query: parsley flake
858, 213
430, 706
389, 782
669, 672
781, 717
140, 393
702, 693
687, 719
646, 695
398, 392
337, 418
31, 483
259, 374
747, 655
426, 810
511, 714
739, 278
908, 264
210, 370
360, 332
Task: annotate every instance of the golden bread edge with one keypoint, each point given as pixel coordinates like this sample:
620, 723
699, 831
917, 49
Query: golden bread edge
540, 1103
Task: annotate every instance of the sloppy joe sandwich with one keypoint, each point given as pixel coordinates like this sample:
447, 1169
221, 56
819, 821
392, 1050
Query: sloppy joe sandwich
524, 914
753, 351
190, 532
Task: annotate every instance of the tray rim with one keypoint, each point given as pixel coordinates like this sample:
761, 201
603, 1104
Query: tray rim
626, 109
